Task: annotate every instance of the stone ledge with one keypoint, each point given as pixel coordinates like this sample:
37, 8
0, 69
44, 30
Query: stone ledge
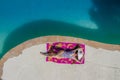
18, 49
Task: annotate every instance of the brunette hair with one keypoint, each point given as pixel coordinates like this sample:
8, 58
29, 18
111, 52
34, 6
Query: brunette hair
76, 47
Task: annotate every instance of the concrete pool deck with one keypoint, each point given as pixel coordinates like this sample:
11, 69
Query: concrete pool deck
102, 60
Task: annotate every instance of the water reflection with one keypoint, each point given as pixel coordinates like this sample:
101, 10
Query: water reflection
106, 15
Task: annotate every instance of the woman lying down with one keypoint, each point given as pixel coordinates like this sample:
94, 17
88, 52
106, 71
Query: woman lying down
65, 54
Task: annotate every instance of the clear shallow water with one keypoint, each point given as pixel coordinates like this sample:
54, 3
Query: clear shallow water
21, 20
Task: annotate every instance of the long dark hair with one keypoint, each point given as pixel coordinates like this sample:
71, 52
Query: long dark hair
76, 47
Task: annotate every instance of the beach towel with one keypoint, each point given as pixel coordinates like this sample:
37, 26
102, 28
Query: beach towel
68, 48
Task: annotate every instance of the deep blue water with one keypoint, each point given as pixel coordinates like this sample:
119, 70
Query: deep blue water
21, 20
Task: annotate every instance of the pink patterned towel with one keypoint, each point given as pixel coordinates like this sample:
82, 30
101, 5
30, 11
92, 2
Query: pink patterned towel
66, 46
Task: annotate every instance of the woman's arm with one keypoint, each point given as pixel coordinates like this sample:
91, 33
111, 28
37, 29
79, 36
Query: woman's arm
60, 53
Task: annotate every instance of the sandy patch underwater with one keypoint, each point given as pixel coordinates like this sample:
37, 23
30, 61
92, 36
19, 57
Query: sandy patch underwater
31, 65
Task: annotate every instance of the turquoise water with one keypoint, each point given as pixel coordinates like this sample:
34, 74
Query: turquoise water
21, 20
